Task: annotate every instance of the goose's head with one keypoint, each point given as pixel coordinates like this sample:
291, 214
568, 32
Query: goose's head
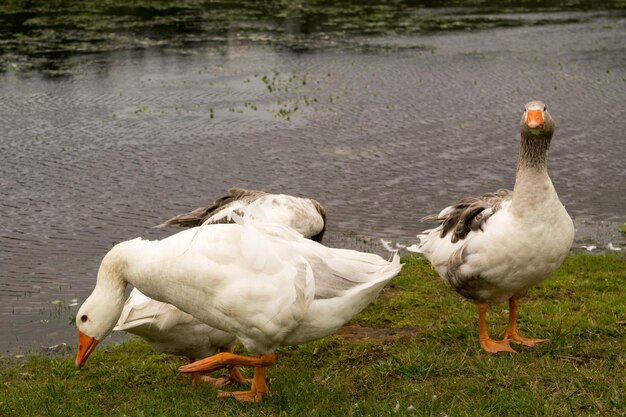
536, 121
99, 313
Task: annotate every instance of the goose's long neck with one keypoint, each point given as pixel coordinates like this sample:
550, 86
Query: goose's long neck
111, 274
144, 264
532, 183
131, 262
533, 153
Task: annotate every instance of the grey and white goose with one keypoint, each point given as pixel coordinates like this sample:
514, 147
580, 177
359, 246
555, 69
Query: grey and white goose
495, 247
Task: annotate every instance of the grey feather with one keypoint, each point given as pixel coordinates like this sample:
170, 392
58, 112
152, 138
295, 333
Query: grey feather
198, 216
469, 214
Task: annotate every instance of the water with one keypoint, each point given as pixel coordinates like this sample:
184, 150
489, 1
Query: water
381, 126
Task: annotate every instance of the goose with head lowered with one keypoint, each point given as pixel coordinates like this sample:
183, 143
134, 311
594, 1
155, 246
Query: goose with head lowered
263, 283
305, 215
170, 330
495, 247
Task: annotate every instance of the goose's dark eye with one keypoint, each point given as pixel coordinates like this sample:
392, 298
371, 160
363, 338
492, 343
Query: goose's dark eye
545, 108
83, 318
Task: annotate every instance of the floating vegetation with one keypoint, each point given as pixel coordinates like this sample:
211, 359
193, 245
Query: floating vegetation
142, 109
286, 85
284, 95
45, 36
622, 228
280, 93
61, 308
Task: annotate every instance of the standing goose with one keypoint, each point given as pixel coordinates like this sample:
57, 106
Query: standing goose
304, 215
495, 247
262, 283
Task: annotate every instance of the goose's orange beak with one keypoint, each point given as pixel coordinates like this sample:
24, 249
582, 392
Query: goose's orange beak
534, 119
86, 345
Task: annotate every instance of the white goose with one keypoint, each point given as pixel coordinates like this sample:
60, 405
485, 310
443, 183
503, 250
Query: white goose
262, 283
305, 215
170, 330
495, 247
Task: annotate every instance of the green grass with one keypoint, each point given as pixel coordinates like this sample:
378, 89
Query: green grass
437, 370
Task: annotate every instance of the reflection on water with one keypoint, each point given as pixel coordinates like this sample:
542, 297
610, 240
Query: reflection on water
382, 129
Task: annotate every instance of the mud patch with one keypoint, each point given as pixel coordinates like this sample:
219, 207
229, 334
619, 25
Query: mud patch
390, 292
355, 332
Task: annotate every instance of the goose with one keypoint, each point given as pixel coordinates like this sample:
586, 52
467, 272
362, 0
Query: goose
263, 283
304, 215
170, 330
493, 248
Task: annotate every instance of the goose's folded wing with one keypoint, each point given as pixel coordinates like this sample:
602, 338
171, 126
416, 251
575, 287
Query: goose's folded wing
200, 215
141, 310
469, 214
345, 270
192, 219
339, 296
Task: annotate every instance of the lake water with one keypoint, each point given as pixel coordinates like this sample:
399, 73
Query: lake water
381, 126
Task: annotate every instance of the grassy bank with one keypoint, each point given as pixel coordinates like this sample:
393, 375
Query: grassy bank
422, 358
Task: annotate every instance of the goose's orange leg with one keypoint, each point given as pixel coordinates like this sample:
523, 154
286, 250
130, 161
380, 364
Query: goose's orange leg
227, 359
510, 333
235, 373
258, 388
487, 343
235, 376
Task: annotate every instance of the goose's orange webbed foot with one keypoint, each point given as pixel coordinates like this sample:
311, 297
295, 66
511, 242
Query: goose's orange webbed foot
515, 338
198, 378
488, 344
227, 359
495, 346
510, 333
257, 389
